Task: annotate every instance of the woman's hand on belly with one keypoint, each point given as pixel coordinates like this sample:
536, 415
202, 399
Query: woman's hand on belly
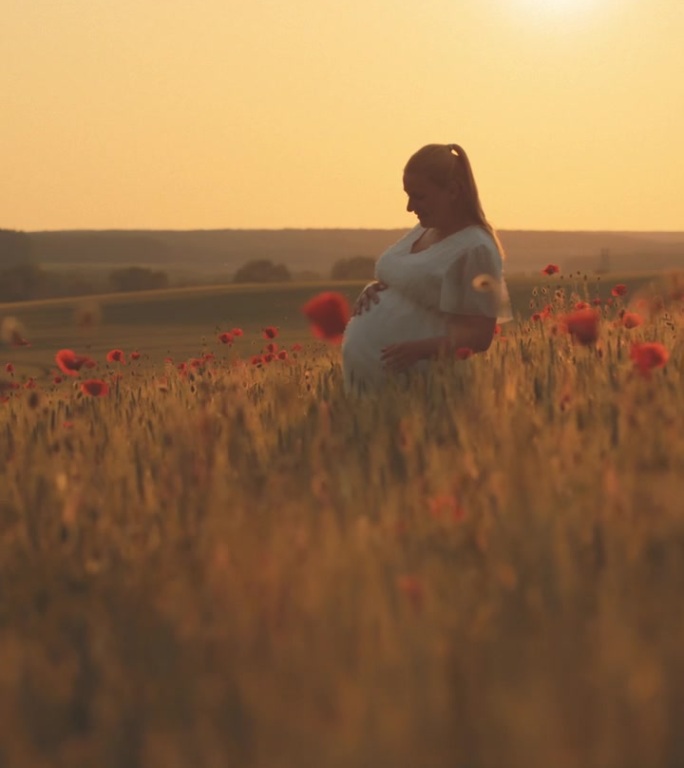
368, 295
400, 357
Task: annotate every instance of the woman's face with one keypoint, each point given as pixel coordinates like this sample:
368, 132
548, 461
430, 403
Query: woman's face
433, 205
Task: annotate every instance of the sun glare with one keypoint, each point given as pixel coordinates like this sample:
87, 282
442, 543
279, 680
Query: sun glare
569, 13
560, 6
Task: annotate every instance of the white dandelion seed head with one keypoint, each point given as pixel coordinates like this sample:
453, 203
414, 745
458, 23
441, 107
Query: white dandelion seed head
10, 329
485, 283
498, 295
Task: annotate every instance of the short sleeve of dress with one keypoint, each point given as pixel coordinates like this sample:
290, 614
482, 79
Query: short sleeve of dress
471, 284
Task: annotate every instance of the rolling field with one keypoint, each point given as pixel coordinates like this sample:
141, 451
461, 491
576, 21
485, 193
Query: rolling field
176, 322
183, 322
219, 563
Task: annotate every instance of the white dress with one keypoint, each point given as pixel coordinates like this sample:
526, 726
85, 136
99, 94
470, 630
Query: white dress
447, 277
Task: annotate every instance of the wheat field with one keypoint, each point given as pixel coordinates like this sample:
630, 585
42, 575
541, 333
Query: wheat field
223, 562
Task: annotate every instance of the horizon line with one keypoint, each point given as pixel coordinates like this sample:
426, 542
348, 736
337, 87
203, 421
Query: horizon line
333, 229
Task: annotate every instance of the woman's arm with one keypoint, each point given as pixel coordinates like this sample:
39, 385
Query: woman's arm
474, 332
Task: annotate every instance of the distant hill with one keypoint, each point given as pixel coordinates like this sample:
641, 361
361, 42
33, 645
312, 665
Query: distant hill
623, 251
316, 250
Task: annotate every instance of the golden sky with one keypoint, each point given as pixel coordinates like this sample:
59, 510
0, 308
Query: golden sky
187, 114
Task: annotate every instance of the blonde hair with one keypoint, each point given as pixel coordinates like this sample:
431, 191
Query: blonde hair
445, 164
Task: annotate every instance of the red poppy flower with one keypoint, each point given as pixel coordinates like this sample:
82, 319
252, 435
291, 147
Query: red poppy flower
648, 355
70, 363
583, 325
328, 313
282, 355
446, 506
463, 353
413, 589
256, 360
596, 302
226, 338
135, 355
631, 320
619, 290
581, 305
268, 358
270, 332
116, 356
30, 383
296, 347
95, 387
57, 379
237, 332
550, 269
272, 348
9, 368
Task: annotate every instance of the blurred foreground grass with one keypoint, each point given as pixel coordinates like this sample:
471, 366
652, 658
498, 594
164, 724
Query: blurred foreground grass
233, 565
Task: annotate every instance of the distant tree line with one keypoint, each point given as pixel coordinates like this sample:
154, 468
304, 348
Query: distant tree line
355, 268
22, 278
265, 271
262, 271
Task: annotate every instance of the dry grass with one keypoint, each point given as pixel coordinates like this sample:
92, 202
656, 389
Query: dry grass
243, 567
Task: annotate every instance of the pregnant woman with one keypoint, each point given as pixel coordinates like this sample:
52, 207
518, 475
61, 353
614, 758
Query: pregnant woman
439, 288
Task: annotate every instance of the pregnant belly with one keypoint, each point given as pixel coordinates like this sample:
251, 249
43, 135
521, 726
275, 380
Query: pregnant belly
393, 320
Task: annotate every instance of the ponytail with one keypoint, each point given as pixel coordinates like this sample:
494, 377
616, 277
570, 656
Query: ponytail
471, 193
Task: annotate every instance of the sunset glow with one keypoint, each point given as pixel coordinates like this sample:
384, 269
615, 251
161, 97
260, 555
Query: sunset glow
562, 5
301, 113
